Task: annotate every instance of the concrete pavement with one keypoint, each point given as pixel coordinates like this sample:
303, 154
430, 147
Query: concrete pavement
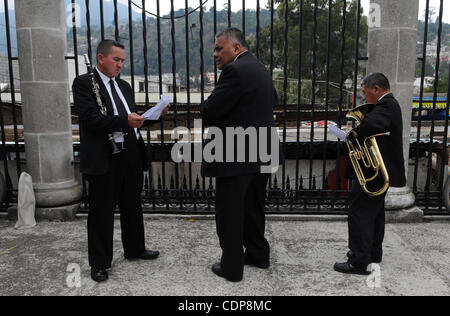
36, 261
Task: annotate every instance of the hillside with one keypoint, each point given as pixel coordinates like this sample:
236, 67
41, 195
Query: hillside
166, 40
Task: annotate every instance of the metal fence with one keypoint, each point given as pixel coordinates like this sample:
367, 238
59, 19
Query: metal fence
315, 52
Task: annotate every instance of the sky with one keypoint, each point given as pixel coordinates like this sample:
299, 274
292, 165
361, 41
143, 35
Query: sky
251, 4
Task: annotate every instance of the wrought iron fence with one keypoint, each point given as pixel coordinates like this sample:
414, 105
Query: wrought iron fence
315, 52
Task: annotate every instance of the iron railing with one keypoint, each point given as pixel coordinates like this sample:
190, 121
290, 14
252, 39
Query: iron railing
327, 64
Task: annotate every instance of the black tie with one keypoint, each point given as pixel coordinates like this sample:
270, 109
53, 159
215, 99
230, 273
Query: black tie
119, 104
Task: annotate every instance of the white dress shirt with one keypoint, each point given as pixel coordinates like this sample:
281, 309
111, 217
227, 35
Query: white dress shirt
384, 96
239, 55
106, 81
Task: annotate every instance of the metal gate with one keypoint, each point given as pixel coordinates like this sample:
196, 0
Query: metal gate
315, 51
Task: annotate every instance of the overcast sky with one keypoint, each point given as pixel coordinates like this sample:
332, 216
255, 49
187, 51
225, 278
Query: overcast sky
251, 4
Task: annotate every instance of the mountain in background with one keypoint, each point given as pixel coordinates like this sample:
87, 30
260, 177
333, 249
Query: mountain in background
108, 16
108, 12
179, 39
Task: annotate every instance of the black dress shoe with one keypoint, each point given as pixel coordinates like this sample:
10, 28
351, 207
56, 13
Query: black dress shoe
348, 268
99, 275
146, 255
217, 269
261, 265
149, 255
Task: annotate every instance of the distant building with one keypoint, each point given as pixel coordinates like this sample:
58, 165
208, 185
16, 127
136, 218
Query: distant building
71, 66
428, 82
153, 84
139, 81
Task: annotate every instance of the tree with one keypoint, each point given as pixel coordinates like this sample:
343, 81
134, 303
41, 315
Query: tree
442, 84
307, 26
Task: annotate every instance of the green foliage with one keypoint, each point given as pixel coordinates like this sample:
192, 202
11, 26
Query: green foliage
305, 72
194, 39
293, 69
442, 84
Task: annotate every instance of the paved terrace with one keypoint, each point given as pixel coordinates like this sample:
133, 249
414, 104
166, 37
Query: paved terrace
35, 262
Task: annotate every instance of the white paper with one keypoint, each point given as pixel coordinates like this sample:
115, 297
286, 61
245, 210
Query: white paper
155, 112
336, 131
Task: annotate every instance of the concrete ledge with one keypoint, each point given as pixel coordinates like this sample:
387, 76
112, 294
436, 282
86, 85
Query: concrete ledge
271, 217
54, 214
399, 199
436, 219
391, 217
410, 215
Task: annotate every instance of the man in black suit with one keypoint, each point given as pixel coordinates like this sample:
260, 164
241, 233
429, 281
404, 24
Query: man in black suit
244, 98
366, 219
114, 179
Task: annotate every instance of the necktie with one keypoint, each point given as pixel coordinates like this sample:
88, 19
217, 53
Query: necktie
121, 110
119, 104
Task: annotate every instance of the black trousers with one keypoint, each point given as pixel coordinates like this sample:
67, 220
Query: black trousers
120, 186
366, 227
240, 221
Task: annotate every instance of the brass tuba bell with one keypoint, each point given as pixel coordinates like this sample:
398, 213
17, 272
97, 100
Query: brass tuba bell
366, 159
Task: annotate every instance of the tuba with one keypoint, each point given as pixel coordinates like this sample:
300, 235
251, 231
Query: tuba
366, 158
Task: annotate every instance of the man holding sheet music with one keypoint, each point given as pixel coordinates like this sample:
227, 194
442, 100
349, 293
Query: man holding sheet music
114, 177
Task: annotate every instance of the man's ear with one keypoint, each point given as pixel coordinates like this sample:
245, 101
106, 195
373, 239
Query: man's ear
100, 59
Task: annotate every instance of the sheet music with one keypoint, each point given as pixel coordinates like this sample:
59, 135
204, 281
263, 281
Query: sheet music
336, 131
155, 112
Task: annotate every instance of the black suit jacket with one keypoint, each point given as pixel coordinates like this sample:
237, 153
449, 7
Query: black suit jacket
244, 97
94, 127
386, 116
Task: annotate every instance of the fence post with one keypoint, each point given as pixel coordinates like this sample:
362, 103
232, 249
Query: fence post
42, 46
392, 51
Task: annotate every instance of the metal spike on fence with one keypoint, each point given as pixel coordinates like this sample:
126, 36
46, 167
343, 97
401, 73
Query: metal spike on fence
288, 187
197, 186
150, 181
146, 185
159, 185
172, 186
210, 187
276, 191
185, 187
275, 183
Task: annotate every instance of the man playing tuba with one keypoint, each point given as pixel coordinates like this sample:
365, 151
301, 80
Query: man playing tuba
366, 219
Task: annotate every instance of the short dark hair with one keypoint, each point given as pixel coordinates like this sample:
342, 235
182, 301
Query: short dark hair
376, 79
235, 35
105, 47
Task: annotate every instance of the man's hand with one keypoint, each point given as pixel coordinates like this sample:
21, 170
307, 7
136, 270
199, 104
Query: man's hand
164, 112
135, 121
